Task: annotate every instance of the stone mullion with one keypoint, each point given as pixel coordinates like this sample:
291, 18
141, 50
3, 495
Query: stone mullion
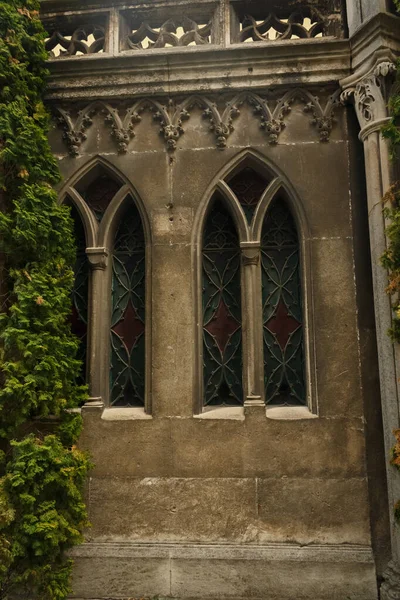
252, 321
99, 299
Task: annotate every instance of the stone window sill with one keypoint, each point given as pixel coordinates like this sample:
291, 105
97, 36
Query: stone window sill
125, 414
235, 413
289, 413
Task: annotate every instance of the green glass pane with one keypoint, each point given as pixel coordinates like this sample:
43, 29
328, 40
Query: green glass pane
282, 308
222, 331
127, 371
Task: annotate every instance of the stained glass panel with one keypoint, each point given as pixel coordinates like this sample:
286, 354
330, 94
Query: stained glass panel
80, 293
222, 331
282, 308
127, 375
248, 186
99, 194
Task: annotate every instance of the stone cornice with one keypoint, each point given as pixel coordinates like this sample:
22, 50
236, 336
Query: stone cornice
193, 70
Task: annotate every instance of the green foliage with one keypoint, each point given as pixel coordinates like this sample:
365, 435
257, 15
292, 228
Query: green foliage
42, 513
391, 258
43, 484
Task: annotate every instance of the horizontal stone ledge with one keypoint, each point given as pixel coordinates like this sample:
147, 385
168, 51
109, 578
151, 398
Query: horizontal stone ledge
267, 552
222, 70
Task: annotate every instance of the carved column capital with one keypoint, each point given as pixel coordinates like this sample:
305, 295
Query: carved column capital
369, 93
98, 258
250, 253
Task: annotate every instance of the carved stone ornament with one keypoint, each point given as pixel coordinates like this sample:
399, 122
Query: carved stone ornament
97, 258
250, 256
390, 588
171, 117
370, 95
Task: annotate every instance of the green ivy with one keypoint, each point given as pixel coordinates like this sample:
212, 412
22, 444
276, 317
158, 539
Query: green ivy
391, 258
42, 512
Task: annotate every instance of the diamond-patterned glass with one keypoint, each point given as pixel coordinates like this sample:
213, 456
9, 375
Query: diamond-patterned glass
282, 308
128, 313
222, 320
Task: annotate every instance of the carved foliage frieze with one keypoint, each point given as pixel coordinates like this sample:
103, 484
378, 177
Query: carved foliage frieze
172, 115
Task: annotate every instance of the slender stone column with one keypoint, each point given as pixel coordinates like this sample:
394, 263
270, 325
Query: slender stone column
251, 261
370, 101
98, 258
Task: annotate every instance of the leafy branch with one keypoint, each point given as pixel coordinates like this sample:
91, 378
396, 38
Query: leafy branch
42, 512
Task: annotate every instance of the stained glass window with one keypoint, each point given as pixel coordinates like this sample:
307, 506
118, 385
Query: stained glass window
222, 331
248, 185
99, 194
127, 375
282, 308
80, 292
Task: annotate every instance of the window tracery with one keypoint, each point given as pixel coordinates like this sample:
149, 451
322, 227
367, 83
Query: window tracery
282, 308
127, 371
222, 319
248, 186
260, 263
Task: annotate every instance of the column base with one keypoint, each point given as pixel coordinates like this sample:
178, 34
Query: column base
390, 588
94, 404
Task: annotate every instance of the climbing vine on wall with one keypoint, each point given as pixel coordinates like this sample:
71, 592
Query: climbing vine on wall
391, 258
42, 513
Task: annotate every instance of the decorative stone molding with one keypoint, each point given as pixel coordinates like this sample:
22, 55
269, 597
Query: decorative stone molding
98, 258
250, 255
89, 39
166, 34
284, 29
74, 133
171, 117
370, 96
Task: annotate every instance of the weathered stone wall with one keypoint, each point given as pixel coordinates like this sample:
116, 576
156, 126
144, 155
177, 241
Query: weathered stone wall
231, 502
219, 477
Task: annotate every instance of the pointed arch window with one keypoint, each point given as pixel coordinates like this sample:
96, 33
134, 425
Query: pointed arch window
252, 298
97, 188
282, 308
248, 185
222, 314
79, 315
127, 371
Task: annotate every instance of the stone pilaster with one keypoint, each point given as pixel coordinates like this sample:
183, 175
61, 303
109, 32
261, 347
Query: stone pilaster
369, 93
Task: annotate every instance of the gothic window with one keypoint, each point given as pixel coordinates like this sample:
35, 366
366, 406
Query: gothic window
222, 319
79, 316
97, 188
127, 371
282, 308
248, 186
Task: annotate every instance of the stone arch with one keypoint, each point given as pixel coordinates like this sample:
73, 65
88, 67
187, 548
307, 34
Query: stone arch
249, 236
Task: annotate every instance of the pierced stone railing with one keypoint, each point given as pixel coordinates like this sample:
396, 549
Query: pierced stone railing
169, 34
89, 39
169, 26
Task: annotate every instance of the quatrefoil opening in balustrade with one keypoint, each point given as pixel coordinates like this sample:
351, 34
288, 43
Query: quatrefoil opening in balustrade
304, 23
88, 39
170, 34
